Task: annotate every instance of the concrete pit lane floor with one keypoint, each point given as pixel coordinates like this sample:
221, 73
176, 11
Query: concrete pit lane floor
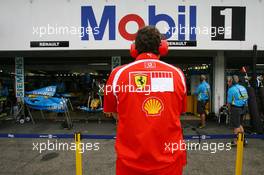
20, 157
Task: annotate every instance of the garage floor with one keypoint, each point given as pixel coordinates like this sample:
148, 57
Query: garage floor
18, 156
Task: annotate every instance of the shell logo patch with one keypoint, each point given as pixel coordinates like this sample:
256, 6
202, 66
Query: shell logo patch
141, 80
153, 106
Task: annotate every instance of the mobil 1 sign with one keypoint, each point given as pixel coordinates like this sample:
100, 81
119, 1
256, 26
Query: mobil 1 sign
230, 22
113, 25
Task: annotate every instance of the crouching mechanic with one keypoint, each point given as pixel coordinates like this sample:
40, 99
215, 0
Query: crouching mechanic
237, 99
148, 96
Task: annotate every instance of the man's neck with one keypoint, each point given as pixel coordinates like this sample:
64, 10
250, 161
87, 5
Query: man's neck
147, 55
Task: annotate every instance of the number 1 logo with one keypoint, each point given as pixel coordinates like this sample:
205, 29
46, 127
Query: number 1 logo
228, 23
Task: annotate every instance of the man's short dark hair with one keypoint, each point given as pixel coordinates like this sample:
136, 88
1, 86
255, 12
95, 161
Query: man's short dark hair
235, 79
203, 78
148, 40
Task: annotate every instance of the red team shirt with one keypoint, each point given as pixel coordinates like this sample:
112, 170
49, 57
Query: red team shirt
149, 96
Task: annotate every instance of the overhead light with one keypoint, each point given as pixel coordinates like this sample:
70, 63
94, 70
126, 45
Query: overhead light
30, 74
75, 74
93, 73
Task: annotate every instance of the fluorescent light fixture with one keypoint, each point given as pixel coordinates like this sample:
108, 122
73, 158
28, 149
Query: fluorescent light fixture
30, 74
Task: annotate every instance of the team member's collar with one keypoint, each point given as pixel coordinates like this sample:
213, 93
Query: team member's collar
147, 56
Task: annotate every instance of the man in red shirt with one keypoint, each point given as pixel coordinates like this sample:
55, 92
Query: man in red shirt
148, 96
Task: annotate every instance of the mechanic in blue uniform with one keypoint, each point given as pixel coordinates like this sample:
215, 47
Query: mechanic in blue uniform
237, 99
203, 95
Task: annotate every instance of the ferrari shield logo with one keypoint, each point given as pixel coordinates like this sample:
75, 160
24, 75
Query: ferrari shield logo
141, 81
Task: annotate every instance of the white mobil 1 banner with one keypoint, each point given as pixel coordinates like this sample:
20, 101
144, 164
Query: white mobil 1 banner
112, 24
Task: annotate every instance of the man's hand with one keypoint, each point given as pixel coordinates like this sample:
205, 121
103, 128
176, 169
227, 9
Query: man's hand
110, 114
229, 108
